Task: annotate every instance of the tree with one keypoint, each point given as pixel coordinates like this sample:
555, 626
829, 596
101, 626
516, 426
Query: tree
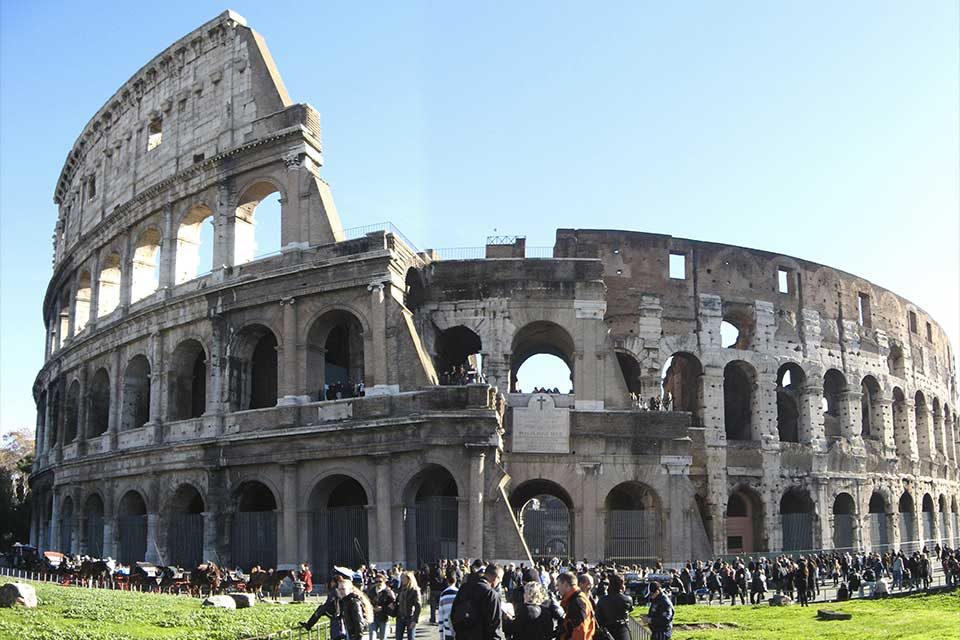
16, 460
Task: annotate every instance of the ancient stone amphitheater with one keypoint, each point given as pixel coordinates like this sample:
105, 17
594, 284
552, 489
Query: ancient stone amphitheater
298, 406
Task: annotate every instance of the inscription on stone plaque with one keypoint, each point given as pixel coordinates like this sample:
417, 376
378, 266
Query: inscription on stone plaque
541, 427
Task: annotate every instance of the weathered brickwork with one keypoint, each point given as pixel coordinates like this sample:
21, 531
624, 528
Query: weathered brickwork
189, 414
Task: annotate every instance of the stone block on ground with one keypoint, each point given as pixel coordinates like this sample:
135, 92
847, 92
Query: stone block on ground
826, 614
18, 593
220, 602
780, 600
243, 600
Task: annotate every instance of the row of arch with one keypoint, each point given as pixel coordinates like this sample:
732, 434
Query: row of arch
196, 247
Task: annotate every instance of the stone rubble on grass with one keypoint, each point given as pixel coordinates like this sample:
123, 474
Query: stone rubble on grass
18, 593
826, 614
780, 600
243, 600
220, 602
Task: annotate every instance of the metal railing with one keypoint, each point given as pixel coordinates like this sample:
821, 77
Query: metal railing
319, 632
637, 630
352, 233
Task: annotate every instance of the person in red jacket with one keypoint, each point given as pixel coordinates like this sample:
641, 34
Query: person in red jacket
306, 577
579, 622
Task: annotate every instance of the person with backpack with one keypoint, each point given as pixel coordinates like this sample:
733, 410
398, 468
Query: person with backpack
578, 622
383, 600
476, 613
409, 605
613, 609
356, 611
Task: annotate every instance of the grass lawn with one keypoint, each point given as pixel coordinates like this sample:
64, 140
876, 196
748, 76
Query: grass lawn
73, 613
919, 617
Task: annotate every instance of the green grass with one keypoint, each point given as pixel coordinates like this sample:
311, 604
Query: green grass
73, 613
919, 617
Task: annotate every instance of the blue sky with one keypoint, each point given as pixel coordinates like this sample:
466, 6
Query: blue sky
827, 131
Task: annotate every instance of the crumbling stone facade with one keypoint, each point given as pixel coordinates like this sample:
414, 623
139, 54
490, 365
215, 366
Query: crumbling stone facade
187, 415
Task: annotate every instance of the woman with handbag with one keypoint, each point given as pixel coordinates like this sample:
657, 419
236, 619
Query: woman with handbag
613, 610
409, 605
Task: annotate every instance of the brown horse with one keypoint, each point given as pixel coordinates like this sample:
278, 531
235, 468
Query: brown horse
206, 577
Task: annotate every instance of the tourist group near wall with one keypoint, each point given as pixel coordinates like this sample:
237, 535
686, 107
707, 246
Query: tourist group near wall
349, 398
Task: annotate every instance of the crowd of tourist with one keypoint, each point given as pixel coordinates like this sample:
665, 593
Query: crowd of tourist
459, 375
580, 601
339, 390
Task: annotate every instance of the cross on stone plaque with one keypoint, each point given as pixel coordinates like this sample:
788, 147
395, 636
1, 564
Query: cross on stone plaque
541, 400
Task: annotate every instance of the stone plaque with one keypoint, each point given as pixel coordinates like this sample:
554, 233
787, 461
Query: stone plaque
541, 427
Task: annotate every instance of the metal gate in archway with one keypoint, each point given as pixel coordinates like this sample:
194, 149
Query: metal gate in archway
66, 534
132, 538
879, 536
431, 530
185, 539
338, 536
797, 531
546, 531
633, 536
908, 537
928, 531
253, 540
843, 525
93, 529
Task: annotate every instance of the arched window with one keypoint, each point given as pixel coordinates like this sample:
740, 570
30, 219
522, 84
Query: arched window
431, 516
72, 413
921, 414
64, 328
458, 358
895, 365
146, 265
907, 522
253, 369
93, 527
335, 366
132, 528
257, 230
739, 379
108, 285
901, 423
634, 530
737, 327
796, 518
844, 521
871, 413
834, 384
682, 376
195, 238
543, 511
98, 413
879, 522
81, 304
65, 543
790, 380
414, 293
929, 514
187, 381
136, 393
542, 358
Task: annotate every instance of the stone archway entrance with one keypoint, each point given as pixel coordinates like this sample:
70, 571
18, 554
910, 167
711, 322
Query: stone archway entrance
543, 510
431, 516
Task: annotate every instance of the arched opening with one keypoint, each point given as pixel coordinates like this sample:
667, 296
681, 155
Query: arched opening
796, 520
430, 516
907, 523
938, 443
54, 427
136, 393
834, 384
414, 293
871, 413
944, 536
844, 522
64, 330
895, 365
736, 328
253, 540
929, 532
257, 225
790, 380
71, 414
194, 254
543, 508
65, 542
93, 527
744, 522
458, 356
187, 381
955, 512
542, 358
108, 285
739, 379
338, 524
98, 411
682, 379
185, 530
335, 356
634, 527
631, 371
132, 528
253, 369
921, 416
879, 522
145, 276
81, 302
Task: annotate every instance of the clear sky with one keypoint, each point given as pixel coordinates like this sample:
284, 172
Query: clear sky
822, 130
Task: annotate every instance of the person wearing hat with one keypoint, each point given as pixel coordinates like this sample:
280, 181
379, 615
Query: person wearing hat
660, 616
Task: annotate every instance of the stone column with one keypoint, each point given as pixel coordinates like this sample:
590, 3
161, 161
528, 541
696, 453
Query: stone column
591, 535
939, 438
851, 418
83, 407
210, 537
911, 420
289, 374
116, 405
886, 427
812, 430
153, 554
375, 365
763, 417
224, 232
475, 506
54, 537
126, 276
168, 251
157, 381
77, 528
713, 420
286, 556
384, 551
679, 541
94, 293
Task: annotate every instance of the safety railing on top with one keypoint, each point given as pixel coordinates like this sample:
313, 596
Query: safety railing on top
480, 253
358, 232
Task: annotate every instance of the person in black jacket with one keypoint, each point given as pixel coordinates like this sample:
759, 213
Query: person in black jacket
614, 608
352, 611
476, 613
532, 621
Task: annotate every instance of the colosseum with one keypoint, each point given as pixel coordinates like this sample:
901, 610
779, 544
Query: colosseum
350, 398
